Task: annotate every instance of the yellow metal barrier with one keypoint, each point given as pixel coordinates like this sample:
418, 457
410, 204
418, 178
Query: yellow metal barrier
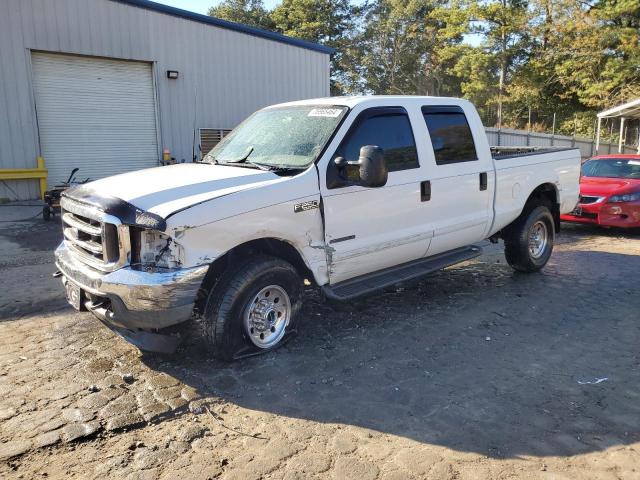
28, 174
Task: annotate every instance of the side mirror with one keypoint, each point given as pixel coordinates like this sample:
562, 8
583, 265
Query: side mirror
373, 168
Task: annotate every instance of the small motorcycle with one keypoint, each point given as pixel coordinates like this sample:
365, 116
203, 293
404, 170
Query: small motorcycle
52, 197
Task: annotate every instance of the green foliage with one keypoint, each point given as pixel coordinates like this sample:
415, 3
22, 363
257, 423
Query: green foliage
595, 51
248, 12
323, 21
410, 47
570, 58
477, 69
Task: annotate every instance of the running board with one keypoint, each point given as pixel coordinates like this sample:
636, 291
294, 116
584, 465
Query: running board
408, 271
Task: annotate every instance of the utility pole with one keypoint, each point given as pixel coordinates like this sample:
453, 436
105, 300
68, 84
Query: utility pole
503, 67
529, 128
622, 135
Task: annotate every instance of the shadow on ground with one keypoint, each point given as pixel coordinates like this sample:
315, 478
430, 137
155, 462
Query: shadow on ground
576, 232
475, 358
26, 266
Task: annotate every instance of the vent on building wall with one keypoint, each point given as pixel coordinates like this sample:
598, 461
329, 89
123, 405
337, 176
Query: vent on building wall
210, 137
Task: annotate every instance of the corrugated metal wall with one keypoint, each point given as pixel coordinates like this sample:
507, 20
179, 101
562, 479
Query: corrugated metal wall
224, 75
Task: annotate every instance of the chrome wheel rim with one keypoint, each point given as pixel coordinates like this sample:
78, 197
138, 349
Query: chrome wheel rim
267, 316
538, 239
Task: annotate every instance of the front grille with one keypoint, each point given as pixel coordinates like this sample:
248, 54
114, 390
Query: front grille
98, 240
586, 199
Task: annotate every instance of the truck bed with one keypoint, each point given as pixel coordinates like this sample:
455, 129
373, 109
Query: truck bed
519, 168
504, 152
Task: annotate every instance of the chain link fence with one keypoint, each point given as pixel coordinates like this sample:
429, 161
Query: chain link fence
559, 129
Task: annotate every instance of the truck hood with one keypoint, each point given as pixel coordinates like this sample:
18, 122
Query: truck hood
604, 186
166, 190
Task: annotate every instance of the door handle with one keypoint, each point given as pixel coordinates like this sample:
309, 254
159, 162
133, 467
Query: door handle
425, 191
483, 181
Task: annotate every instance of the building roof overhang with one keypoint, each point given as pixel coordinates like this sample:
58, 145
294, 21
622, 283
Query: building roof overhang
626, 110
218, 22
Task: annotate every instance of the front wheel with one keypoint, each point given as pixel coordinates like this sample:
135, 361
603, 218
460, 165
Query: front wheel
253, 308
528, 242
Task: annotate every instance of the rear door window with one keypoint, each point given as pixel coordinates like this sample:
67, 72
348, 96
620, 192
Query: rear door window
450, 135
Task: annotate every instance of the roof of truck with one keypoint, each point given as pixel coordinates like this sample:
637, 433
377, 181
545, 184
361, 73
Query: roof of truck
352, 101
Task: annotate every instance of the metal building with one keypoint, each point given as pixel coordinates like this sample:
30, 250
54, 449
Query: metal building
92, 84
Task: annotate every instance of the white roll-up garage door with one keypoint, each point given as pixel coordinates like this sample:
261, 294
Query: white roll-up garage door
95, 114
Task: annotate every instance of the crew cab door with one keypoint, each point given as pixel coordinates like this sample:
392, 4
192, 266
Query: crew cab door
461, 174
368, 229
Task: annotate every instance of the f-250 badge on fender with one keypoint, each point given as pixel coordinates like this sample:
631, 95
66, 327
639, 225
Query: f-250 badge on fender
303, 207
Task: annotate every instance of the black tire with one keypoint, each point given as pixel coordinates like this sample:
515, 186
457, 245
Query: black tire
516, 240
46, 213
224, 313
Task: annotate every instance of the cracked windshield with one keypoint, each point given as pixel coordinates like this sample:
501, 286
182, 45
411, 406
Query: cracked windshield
290, 137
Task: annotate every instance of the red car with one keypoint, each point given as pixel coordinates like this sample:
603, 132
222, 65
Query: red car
609, 192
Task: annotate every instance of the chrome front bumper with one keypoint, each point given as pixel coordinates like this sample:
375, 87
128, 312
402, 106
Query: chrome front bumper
134, 299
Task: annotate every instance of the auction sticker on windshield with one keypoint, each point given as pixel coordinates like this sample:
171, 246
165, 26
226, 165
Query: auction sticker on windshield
325, 112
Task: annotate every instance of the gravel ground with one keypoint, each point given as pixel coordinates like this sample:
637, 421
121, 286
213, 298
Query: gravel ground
474, 372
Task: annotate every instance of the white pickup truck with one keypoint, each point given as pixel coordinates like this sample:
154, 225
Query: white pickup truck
351, 194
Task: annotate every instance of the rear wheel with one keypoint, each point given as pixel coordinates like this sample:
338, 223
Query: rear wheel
528, 242
253, 308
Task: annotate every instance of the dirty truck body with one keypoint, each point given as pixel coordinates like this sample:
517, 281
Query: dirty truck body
351, 194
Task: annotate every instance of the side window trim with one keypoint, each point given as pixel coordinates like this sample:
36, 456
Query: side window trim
436, 109
375, 112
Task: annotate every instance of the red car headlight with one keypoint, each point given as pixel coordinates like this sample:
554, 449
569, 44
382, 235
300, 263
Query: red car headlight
627, 197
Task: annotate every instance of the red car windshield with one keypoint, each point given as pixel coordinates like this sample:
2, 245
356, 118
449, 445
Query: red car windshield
612, 168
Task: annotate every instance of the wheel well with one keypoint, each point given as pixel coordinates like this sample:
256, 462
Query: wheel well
546, 194
269, 246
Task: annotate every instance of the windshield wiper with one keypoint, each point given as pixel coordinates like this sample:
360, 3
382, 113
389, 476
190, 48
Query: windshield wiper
271, 166
243, 158
215, 161
244, 162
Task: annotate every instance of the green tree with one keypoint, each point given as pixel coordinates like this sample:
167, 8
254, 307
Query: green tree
248, 12
595, 51
410, 47
503, 26
476, 69
328, 22
537, 58
580, 58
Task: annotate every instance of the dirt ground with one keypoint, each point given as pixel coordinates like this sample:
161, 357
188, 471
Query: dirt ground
474, 372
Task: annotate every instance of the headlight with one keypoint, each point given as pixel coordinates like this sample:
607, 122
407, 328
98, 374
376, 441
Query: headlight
153, 248
627, 197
